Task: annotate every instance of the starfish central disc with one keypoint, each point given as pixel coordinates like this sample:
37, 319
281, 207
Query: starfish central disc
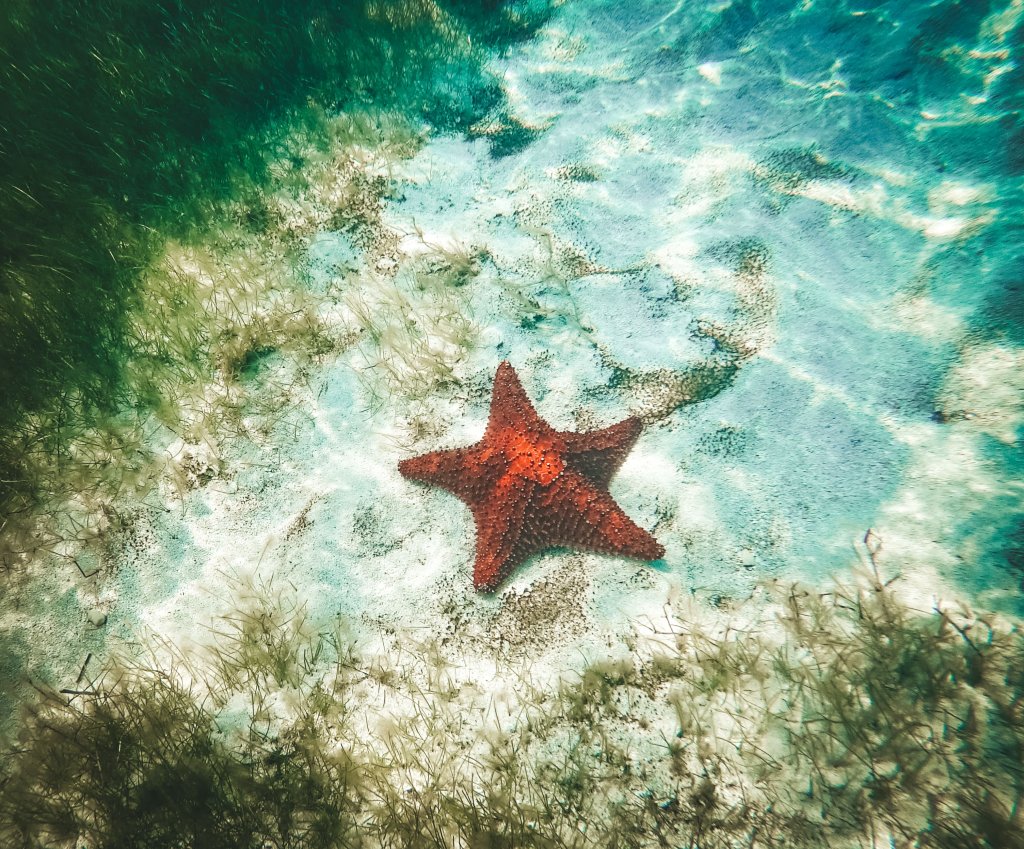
531, 487
531, 456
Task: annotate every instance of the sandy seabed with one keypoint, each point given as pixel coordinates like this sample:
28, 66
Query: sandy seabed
752, 234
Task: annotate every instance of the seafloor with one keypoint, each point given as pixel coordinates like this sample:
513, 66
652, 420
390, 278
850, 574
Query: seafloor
768, 254
788, 239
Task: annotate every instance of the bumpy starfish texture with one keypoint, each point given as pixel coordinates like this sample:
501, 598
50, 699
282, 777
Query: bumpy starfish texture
531, 487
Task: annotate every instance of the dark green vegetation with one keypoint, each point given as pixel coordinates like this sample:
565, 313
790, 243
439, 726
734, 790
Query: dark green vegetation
842, 719
128, 123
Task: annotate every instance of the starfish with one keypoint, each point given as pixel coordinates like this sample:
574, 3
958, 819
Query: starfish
531, 487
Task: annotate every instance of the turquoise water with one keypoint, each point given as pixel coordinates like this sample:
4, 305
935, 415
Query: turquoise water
784, 235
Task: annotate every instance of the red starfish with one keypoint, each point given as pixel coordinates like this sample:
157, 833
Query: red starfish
531, 487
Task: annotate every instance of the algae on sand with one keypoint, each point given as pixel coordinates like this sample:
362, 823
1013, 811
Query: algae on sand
164, 116
837, 718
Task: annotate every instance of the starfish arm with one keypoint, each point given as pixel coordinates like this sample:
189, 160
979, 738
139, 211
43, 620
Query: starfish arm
464, 472
510, 406
500, 544
598, 454
584, 516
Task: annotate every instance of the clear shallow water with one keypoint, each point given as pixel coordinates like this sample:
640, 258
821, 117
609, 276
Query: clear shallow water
807, 217
830, 192
738, 171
